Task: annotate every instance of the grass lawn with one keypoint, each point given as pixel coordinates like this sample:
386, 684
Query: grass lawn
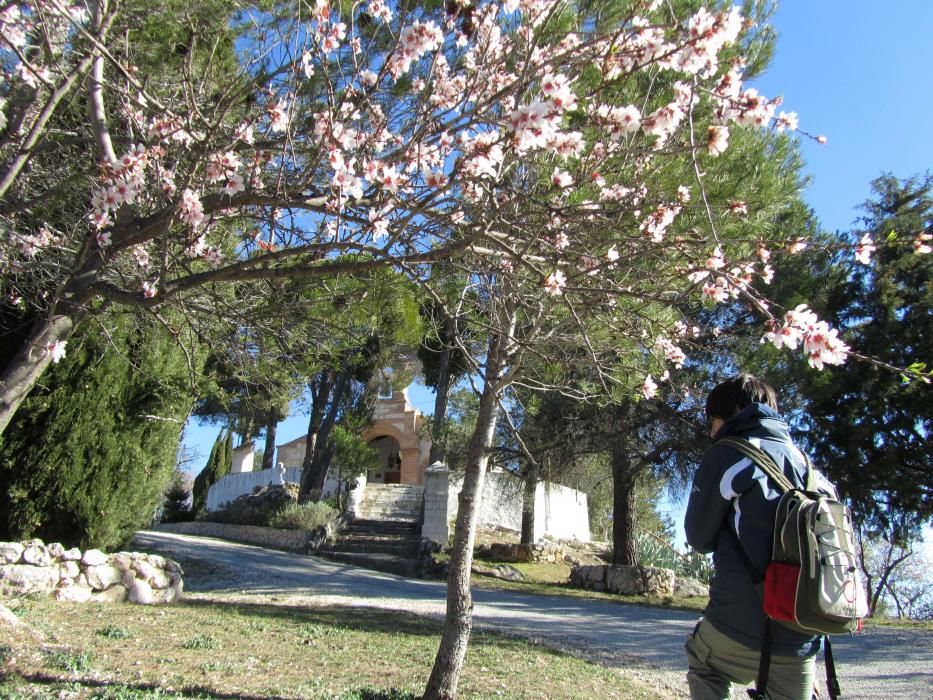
206, 647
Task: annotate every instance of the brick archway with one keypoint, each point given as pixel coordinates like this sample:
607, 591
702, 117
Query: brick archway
409, 449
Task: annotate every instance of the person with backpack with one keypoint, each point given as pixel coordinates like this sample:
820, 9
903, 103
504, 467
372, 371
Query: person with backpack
731, 513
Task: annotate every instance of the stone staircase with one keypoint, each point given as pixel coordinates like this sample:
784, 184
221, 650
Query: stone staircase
391, 502
385, 534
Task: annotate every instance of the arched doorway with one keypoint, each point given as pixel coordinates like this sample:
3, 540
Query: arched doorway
390, 461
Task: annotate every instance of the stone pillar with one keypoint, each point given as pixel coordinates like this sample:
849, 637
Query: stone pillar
436, 525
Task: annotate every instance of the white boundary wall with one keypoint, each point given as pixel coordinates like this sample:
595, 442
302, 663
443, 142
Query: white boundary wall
232, 486
560, 512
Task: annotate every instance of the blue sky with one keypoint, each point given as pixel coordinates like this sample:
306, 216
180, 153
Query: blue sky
856, 71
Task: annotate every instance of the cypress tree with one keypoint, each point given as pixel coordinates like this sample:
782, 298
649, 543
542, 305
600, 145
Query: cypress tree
203, 481
227, 465
88, 456
219, 464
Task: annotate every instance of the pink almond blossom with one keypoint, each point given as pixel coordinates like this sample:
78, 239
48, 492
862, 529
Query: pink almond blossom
554, 283
649, 389
56, 350
864, 250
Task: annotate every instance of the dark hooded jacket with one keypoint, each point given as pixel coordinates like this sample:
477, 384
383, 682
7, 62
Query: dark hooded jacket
730, 493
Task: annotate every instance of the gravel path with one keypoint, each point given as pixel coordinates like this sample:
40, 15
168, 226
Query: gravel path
645, 643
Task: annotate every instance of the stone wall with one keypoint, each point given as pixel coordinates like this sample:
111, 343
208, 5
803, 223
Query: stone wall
300, 541
32, 567
624, 580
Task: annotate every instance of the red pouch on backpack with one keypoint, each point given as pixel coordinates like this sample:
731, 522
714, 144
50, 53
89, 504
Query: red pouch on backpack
780, 596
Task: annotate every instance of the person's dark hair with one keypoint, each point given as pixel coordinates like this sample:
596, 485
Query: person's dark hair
732, 395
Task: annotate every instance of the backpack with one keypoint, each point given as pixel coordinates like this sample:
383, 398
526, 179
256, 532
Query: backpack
812, 583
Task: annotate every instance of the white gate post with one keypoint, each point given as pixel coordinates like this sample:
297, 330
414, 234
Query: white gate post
436, 484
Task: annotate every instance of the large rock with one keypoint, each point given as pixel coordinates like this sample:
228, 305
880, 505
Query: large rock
173, 567
167, 595
36, 553
114, 594
94, 557
691, 588
589, 576
73, 554
73, 593
103, 576
19, 579
156, 560
155, 577
68, 570
141, 593
11, 552
122, 561
640, 580
56, 550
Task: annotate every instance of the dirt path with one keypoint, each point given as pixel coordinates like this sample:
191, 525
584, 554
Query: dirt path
646, 642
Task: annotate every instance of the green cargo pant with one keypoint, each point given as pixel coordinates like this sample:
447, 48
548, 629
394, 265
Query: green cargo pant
717, 661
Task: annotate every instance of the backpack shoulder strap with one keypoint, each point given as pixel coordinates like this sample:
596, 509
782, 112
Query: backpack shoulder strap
761, 458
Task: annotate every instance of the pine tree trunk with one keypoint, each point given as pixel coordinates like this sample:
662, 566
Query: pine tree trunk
320, 395
268, 452
438, 434
528, 505
24, 370
624, 548
448, 664
313, 478
442, 397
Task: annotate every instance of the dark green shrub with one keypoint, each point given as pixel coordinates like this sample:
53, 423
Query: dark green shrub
88, 455
305, 516
257, 508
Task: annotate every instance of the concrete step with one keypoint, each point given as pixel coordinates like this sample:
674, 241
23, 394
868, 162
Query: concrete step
363, 526
394, 488
372, 545
380, 498
388, 512
392, 496
377, 515
389, 563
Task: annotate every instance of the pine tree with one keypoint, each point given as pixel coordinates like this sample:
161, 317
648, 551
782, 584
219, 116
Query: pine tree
175, 507
88, 457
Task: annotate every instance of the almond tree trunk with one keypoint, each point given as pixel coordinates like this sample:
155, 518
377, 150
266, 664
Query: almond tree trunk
24, 370
448, 665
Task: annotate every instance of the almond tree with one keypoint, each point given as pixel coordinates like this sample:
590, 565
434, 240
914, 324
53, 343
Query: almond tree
398, 137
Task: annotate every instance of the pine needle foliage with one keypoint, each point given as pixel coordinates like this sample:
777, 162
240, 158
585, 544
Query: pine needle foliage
86, 460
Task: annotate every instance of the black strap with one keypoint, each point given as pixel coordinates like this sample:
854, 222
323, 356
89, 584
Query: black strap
764, 665
832, 683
